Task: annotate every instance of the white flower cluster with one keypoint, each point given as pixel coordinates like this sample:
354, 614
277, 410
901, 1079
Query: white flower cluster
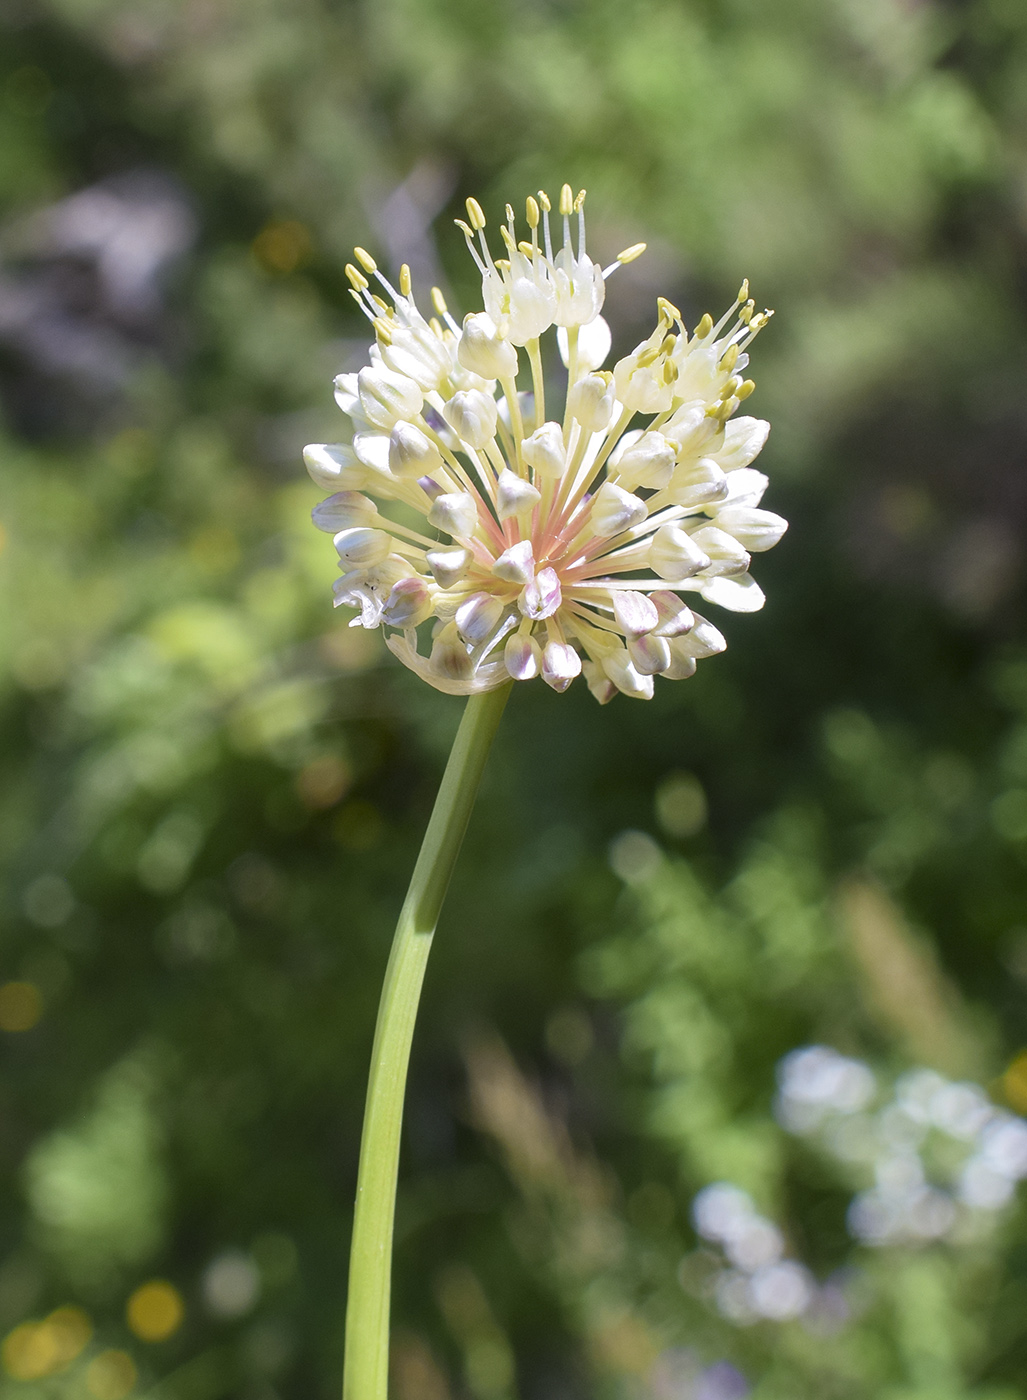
942, 1157
519, 545
759, 1282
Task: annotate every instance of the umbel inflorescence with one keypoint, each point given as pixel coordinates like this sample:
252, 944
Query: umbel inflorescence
520, 544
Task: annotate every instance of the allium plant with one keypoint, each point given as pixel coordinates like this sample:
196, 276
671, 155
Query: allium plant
547, 546
519, 545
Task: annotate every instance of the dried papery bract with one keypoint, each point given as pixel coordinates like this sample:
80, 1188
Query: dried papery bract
543, 536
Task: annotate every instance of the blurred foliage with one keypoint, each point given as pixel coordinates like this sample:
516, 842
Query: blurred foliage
212, 791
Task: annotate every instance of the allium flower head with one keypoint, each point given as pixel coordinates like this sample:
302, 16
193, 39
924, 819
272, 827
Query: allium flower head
517, 544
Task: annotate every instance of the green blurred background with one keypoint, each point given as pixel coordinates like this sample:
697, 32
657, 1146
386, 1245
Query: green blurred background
212, 790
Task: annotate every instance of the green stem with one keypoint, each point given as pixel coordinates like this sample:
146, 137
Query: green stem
366, 1371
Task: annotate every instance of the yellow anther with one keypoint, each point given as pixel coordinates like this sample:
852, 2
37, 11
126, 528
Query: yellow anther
730, 387
669, 342
743, 292
382, 330
531, 212
357, 279
704, 327
405, 284
382, 305
566, 200
649, 356
465, 229
365, 260
543, 200
503, 264
745, 389
357, 298
670, 371
729, 359
579, 200
630, 254
475, 215
745, 315
435, 326
438, 301
508, 239
668, 311
525, 247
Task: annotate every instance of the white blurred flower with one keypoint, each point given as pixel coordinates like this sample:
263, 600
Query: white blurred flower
552, 547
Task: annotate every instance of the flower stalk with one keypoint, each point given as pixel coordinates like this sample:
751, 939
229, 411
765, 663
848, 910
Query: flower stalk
367, 1313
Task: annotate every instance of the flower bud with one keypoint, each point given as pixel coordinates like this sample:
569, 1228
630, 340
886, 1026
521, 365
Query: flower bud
411, 452
736, 592
675, 555
649, 655
360, 548
455, 512
560, 664
334, 466
472, 415
516, 564
590, 401
419, 353
523, 657
726, 555
745, 487
620, 669
342, 511
408, 604
386, 396
681, 667
635, 612
698, 484
478, 617
615, 510
541, 596
674, 618
448, 566
703, 640
545, 451
755, 530
643, 459
599, 684
743, 441
483, 351
514, 495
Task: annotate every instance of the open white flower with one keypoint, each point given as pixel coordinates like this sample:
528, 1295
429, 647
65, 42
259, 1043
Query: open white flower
549, 547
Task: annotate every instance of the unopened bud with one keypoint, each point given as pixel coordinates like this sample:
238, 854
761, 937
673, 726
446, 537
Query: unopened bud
472, 415
449, 657
645, 459
634, 612
478, 617
755, 530
615, 510
545, 451
334, 466
343, 511
590, 401
698, 484
727, 556
703, 640
674, 619
482, 351
455, 512
411, 452
675, 555
516, 564
523, 657
626, 677
649, 655
386, 396
448, 566
514, 495
361, 547
408, 604
560, 664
